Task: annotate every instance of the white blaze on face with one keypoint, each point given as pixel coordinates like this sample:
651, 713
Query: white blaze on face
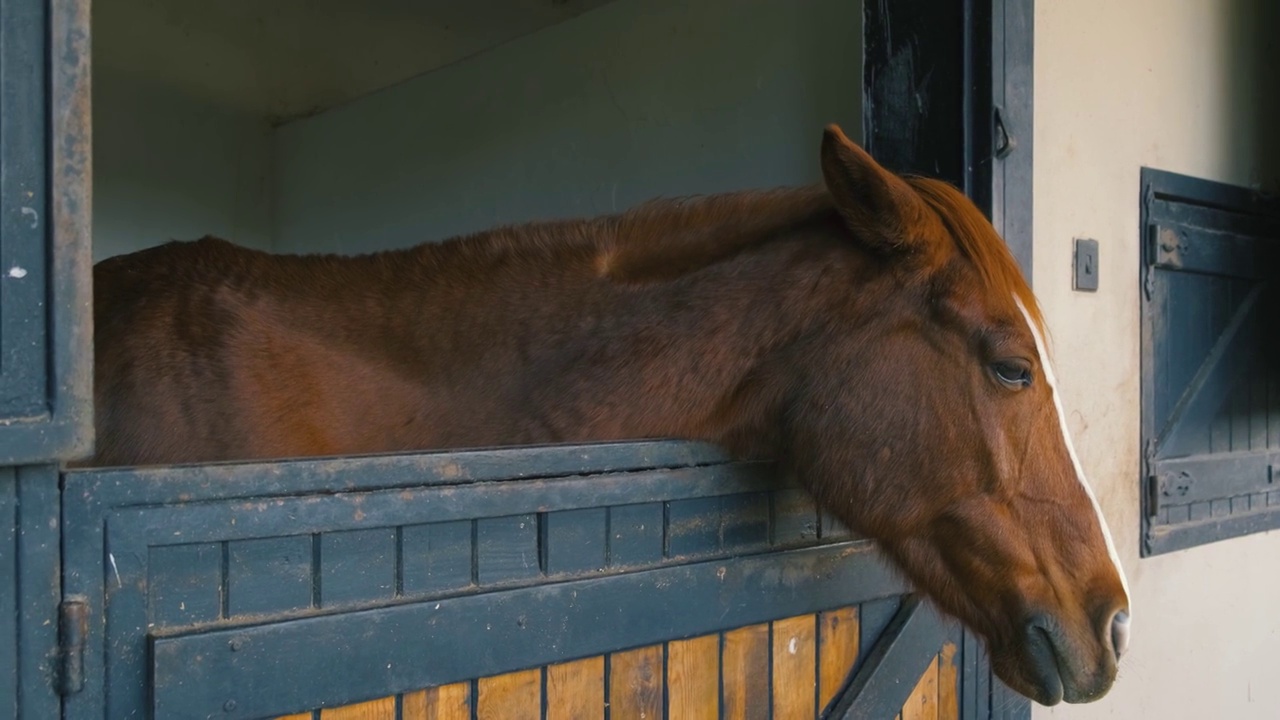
1071, 450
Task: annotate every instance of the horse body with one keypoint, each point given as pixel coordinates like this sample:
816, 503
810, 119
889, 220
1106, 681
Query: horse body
873, 335
211, 352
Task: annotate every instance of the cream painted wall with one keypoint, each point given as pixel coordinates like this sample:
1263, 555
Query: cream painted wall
1178, 85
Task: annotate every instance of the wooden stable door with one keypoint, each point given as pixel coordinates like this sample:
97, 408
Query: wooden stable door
789, 669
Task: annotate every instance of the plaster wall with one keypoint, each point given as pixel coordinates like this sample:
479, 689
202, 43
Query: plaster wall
1190, 87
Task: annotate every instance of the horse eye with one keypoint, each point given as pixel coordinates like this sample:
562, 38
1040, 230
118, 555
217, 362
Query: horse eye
1014, 375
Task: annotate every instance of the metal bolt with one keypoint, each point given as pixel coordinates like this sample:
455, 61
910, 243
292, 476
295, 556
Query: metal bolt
236, 644
229, 706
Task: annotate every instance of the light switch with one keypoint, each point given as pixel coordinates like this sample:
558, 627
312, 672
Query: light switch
1086, 265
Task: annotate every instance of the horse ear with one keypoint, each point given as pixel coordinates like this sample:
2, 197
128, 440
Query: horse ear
880, 208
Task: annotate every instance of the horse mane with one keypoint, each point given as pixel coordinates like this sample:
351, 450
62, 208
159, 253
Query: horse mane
659, 239
979, 243
669, 237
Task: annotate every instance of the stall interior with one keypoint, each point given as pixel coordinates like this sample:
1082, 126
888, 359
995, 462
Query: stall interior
321, 126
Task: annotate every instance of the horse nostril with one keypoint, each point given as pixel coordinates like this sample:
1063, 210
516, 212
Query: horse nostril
1120, 633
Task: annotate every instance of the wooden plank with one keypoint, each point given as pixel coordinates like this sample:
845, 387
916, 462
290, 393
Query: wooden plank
575, 690
744, 661
435, 557
380, 709
632, 462
745, 521
183, 584
298, 716
635, 684
948, 683
575, 540
922, 704
269, 575
693, 678
794, 680
906, 648
444, 702
511, 696
281, 666
635, 534
693, 527
1201, 250
795, 517
838, 639
1204, 478
507, 548
357, 566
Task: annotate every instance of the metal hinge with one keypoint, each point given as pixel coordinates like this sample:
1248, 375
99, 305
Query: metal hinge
1152, 482
73, 626
1148, 242
1149, 261
1153, 496
1003, 142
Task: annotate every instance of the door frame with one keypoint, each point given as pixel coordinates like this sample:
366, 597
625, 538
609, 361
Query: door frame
948, 91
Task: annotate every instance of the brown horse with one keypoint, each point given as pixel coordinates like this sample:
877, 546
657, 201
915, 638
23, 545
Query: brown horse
874, 336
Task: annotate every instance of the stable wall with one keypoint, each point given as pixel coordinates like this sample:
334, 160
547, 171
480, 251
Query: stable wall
623, 103
167, 167
632, 100
1181, 87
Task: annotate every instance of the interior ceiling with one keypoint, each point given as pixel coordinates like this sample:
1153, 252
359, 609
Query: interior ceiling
283, 59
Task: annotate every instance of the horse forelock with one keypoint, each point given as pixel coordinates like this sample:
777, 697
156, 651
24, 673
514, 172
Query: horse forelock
977, 241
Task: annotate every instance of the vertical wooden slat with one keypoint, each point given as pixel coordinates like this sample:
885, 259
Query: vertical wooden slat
447, 702
693, 678
1258, 391
380, 709
948, 684
1273, 394
838, 640
575, 690
923, 702
1238, 415
299, 716
744, 668
635, 684
510, 696
794, 680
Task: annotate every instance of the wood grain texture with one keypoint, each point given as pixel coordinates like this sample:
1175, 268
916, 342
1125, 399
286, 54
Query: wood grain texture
794, 674
745, 673
380, 709
693, 678
446, 702
510, 696
838, 638
948, 684
575, 690
635, 684
923, 701
298, 716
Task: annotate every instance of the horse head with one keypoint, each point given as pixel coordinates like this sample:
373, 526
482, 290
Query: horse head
929, 419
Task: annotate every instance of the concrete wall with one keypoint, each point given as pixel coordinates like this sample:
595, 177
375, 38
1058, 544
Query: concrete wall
635, 99
1179, 86
168, 168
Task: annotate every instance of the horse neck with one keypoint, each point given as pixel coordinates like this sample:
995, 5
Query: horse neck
709, 355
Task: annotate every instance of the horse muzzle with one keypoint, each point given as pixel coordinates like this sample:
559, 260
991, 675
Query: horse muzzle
1057, 668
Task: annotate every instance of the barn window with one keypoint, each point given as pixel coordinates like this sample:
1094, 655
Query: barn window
1210, 362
